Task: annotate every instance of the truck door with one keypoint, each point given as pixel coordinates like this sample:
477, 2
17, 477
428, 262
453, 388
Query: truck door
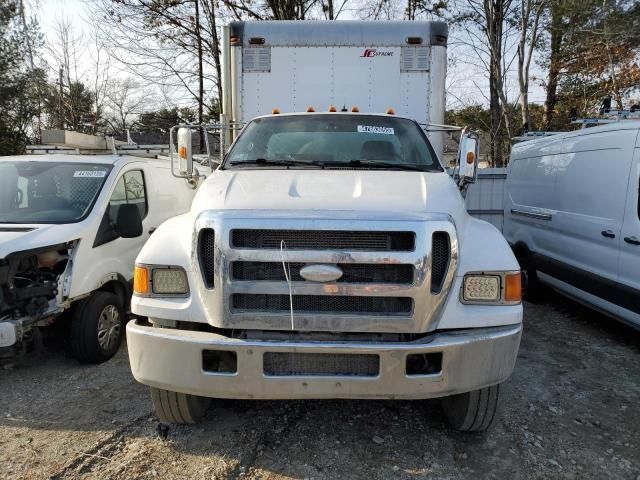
630, 246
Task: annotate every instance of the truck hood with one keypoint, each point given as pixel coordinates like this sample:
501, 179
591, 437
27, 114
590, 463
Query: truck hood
396, 192
19, 237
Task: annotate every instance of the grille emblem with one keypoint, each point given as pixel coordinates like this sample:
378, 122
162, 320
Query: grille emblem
321, 273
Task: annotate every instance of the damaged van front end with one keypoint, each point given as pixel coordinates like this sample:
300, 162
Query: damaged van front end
34, 286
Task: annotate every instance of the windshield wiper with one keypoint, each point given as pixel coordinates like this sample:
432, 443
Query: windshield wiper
281, 162
371, 164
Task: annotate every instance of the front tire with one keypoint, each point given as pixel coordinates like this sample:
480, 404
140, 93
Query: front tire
97, 328
472, 411
180, 408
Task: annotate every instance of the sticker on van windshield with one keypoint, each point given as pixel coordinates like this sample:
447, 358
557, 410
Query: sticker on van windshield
89, 174
375, 129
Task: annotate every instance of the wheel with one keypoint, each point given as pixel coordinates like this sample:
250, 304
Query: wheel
97, 328
533, 290
174, 407
472, 411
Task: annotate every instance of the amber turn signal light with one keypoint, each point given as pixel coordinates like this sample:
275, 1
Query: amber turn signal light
470, 157
513, 287
140, 281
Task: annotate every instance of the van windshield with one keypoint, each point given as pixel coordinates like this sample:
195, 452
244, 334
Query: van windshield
48, 192
334, 141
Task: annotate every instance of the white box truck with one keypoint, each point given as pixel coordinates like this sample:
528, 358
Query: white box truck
330, 255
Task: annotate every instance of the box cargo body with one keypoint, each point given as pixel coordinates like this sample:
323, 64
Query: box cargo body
371, 65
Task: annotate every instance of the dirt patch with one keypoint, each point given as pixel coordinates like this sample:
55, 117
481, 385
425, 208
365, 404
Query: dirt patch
571, 410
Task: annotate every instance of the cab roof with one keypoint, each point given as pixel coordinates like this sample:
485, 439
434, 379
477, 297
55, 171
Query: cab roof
338, 113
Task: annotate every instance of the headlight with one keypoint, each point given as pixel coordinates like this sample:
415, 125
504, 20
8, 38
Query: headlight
150, 280
492, 288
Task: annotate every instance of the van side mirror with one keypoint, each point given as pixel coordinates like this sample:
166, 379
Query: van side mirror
468, 158
129, 221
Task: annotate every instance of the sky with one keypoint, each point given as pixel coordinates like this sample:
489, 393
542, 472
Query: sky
467, 84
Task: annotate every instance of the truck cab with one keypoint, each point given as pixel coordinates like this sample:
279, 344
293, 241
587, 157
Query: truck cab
71, 227
329, 256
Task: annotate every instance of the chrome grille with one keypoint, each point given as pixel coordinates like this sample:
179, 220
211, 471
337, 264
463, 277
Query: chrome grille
440, 256
323, 304
351, 272
382, 290
324, 240
206, 247
284, 364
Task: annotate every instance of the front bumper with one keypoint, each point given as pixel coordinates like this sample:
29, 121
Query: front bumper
173, 360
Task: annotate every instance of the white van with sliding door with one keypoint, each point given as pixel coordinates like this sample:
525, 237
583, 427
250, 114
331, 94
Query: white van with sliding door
572, 215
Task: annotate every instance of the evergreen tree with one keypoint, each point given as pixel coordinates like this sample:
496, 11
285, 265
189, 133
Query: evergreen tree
21, 85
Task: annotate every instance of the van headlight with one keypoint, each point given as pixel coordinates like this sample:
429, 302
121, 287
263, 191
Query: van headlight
492, 288
160, 281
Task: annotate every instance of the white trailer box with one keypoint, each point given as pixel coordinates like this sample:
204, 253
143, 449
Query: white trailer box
374, 66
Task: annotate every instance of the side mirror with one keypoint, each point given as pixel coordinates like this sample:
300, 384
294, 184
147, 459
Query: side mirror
468, 158
129, 221
185, 153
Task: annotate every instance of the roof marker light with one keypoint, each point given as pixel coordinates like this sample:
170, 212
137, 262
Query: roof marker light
275, 111
332, 108
390, 111
355, 109
310, 109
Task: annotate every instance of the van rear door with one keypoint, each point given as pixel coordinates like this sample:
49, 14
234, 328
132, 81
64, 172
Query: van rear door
629, 275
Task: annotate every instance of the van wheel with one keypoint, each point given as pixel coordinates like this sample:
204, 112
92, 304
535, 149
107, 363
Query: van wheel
97, 328
472, 411
532, 289
174, 407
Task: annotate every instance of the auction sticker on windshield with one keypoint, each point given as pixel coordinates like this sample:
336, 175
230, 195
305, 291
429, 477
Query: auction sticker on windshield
375, 129
89, 174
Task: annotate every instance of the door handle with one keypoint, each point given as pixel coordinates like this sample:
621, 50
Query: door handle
632, 240
608, 234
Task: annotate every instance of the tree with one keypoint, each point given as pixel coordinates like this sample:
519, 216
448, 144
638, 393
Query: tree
530, 15
593, 49
20, 84
171, 44
488, 29
161, 121
126, 99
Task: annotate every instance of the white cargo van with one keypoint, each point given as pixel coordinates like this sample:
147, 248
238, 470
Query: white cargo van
572, 215
71, 227
330, 255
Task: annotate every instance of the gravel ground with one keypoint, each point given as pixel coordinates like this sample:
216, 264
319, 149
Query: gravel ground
571, 410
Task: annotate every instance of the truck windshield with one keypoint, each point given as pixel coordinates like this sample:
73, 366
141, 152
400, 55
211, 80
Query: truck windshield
48, 192
333, 141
